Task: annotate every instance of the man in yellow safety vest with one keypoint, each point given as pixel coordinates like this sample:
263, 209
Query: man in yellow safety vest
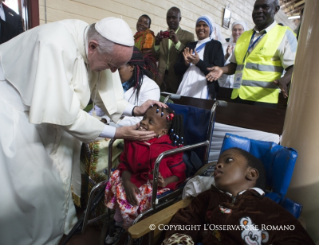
260, 57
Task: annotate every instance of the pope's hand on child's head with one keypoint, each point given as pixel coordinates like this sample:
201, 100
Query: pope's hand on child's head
140, 110
130, 191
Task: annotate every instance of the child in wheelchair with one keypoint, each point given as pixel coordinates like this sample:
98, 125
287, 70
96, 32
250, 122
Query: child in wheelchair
129, 190
235, 210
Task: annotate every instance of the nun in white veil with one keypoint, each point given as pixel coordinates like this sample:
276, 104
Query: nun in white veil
238, 27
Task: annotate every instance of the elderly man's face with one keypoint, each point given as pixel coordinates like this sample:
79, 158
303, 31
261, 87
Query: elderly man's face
264, 13
118, 57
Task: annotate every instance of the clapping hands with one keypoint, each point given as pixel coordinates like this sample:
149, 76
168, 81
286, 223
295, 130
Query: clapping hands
189, 57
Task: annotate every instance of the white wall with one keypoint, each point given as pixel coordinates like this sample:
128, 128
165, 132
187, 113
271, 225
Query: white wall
93, 10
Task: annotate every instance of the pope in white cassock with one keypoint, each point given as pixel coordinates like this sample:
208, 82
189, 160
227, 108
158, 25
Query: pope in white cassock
47, 76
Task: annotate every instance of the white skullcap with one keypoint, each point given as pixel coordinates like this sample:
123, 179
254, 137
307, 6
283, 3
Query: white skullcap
115, 30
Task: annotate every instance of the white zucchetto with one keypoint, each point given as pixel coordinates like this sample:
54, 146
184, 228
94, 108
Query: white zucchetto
115, 30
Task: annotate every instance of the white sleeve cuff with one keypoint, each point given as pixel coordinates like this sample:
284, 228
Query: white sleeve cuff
128, 110
108, 132
232, 58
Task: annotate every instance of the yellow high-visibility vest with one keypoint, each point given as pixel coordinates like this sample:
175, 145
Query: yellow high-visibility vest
260, 68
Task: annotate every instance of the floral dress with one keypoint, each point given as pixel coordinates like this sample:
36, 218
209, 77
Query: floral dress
115, 195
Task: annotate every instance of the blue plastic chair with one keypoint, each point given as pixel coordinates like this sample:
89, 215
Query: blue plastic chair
279, 164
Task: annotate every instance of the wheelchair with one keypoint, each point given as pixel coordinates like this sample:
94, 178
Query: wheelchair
198, 128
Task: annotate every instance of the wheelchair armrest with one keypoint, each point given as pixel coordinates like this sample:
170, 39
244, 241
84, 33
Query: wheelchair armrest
159, 159
162, 217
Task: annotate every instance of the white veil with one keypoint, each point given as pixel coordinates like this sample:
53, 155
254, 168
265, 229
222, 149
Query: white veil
239, 22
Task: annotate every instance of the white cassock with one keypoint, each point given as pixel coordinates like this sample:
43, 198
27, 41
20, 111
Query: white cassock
44, 85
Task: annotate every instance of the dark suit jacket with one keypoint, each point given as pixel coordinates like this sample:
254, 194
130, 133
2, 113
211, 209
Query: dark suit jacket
213, 56
171, 80
13, 18
6, 31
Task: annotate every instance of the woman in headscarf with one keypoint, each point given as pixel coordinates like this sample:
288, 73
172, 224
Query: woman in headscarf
238, 27
195, 59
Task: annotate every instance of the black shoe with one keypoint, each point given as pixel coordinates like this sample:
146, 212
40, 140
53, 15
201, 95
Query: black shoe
114, 235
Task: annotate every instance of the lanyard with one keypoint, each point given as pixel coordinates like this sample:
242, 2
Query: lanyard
252, 44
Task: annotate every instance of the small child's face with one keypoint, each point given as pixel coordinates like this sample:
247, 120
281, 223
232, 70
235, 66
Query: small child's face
153, 121
231, 170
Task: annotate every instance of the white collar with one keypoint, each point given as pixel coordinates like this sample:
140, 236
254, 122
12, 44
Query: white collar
267, 29
260, 191
204, 40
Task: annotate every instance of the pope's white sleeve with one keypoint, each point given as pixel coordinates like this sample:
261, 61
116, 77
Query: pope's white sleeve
108, 132
86, 128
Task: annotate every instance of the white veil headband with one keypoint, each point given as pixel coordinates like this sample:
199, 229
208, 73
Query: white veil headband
209, 21
239, 22
216, 33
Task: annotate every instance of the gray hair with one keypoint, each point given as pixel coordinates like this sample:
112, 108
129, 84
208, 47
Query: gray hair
105, 45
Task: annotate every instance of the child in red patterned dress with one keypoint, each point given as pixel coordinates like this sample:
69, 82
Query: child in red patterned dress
129, 190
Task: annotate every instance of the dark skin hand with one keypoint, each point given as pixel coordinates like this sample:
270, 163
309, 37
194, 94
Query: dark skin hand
216, 71
163, 182
129, 188
158, 39
283, 82
173, 36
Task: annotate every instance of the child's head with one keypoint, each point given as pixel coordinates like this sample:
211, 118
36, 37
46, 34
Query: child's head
162, 121
238, 170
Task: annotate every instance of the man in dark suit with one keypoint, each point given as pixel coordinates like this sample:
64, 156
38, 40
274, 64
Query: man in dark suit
168, 49
6, 31
11, 23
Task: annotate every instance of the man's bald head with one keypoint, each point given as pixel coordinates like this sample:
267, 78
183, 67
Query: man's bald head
264, 13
